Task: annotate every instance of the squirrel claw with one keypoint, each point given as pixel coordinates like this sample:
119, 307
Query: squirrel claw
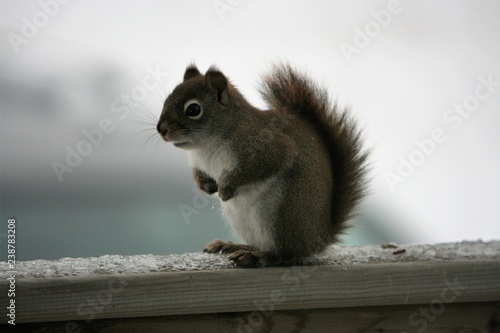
246, 259
218, 246
209, 187
226, 193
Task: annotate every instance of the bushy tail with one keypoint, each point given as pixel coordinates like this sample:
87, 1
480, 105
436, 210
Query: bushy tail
286, 88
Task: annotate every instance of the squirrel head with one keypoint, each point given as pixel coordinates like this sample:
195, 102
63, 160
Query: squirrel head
197, 110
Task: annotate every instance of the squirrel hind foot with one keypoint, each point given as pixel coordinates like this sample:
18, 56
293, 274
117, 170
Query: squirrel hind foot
218, 246
259, 259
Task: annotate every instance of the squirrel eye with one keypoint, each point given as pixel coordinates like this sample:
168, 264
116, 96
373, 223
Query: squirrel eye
193, 110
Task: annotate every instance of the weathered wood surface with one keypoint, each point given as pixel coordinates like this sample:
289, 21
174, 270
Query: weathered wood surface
256, 290
452, 318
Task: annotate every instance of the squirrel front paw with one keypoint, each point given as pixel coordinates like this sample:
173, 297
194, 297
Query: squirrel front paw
205, 183
226, 192
209, 186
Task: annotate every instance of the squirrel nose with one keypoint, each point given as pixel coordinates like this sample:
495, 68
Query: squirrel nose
162, 128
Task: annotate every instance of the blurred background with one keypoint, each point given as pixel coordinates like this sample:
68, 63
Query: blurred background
84, 173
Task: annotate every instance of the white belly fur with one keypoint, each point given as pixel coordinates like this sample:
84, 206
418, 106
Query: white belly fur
248, 213
213, 163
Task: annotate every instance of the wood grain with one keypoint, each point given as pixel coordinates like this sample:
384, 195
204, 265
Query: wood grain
458, 317
255, 290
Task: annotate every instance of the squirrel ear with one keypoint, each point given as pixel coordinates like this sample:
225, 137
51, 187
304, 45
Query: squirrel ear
214, 78
191, 71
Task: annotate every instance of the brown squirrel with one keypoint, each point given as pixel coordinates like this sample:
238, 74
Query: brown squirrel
289, 178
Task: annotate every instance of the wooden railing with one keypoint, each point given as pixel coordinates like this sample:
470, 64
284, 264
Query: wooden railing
461, 294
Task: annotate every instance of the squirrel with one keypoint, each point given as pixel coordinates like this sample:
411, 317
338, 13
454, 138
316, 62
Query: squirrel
289, 178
